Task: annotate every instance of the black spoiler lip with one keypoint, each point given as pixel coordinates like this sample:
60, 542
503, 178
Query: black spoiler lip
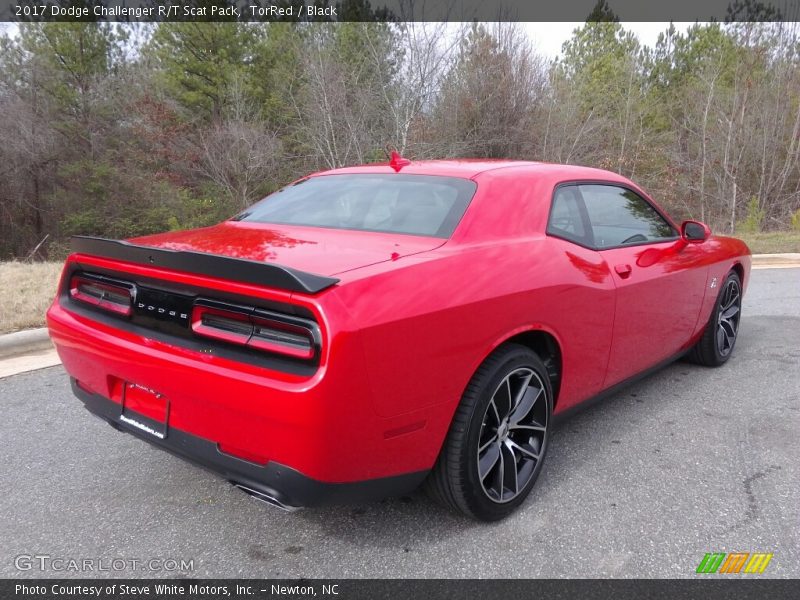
201, 263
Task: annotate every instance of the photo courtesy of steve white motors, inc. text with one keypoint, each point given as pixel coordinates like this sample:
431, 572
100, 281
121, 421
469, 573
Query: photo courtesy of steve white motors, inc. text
174, 589
171, 11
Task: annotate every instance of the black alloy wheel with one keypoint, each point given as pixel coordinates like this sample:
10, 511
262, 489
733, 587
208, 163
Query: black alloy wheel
497, 442
719, 338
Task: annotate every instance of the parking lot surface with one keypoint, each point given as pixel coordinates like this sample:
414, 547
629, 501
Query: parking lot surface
687, 461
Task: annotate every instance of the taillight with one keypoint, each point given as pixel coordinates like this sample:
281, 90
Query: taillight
222, 325
115, 297
256, 328
279, 336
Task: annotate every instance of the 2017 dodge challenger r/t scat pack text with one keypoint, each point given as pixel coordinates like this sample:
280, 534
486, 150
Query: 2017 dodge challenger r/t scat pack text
369, 329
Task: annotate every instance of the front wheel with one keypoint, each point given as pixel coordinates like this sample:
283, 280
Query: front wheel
719, 338
497, 442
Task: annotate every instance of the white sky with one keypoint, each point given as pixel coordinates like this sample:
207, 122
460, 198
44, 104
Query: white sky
547, 37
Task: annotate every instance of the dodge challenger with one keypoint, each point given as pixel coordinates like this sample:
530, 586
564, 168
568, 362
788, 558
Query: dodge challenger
369, 329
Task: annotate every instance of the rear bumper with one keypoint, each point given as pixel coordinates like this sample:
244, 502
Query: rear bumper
289, 487
302, 439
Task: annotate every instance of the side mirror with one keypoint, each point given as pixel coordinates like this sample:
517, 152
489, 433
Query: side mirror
695, 232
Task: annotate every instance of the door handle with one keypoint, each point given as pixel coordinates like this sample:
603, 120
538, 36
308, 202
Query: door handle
623, 271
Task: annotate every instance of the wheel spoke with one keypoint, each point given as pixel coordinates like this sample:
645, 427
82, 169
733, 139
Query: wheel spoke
503, 395
732, 298
494, 410
515, 446
534, 427
728, 327
726, 296
730, 312
720, 337
500, 475
493, 440
727, 340
523, 388
510, 468
525, 405
487, 462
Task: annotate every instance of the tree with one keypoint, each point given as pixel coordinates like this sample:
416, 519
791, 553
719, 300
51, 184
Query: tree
490, 96
602, 74
602, 13
198, 61
341, 111
52, 74
121, 130
240, 154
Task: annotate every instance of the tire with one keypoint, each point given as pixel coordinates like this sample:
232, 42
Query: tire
504, 418
719, 337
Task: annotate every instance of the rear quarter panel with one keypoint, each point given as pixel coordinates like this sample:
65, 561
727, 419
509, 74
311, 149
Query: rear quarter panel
421, 348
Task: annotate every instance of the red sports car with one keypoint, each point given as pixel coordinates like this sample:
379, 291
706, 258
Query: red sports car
367, 329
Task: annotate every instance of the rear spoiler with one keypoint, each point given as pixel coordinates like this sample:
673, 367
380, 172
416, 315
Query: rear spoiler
200, 263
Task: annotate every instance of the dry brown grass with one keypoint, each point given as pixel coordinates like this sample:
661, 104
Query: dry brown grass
26, 290
773, 242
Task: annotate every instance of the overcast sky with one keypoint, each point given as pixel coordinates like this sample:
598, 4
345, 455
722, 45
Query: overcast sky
548, 37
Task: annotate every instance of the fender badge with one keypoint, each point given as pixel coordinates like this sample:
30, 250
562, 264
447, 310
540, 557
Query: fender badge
713, 283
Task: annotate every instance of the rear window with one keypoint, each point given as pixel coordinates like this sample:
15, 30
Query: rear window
412, 204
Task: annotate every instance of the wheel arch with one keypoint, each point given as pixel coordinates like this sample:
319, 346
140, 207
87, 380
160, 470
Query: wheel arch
546, 345
737, 266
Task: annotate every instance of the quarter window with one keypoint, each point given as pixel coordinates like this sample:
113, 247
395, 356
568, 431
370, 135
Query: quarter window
567, 217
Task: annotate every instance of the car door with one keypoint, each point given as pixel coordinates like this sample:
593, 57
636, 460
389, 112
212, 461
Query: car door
660, 280
585, 300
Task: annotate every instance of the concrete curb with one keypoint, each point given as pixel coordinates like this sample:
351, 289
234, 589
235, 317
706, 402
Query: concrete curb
788, 259
24, 342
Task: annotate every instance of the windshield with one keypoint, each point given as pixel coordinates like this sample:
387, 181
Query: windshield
413, 204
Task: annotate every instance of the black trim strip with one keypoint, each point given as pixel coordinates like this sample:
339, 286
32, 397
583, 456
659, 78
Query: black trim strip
567, 414
214, 265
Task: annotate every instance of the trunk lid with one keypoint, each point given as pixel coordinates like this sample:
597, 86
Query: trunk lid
311, 249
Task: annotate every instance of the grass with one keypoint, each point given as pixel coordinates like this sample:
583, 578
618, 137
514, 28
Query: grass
26, 290
771, 243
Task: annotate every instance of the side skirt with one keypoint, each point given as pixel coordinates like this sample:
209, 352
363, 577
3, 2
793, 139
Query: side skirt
567, 414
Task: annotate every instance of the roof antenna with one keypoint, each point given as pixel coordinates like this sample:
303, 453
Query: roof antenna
396, 161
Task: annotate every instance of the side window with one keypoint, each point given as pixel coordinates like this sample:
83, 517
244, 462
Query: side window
621, 217
566, 217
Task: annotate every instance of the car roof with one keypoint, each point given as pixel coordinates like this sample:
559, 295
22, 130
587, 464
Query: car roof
469, 168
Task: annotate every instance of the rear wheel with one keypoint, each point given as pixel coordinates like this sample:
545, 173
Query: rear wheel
719, 338
497, 442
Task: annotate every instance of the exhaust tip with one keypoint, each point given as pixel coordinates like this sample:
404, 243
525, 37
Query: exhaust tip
264, 497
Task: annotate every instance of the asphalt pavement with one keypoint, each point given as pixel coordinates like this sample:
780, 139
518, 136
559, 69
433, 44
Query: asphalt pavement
687, 461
